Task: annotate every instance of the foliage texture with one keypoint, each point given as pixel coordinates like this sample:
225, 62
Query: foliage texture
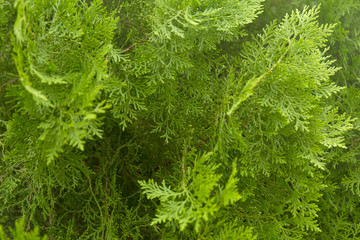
179, 119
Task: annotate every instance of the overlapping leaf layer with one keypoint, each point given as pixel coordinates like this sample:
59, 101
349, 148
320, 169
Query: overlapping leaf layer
179, 119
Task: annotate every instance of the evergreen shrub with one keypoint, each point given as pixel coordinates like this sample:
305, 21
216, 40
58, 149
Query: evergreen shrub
179, 119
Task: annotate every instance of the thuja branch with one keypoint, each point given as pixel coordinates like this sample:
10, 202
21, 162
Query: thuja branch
183, 169
9, 82
132, 46
248, 90
93, 195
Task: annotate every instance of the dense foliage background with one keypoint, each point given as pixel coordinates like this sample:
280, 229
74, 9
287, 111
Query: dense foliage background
180, 119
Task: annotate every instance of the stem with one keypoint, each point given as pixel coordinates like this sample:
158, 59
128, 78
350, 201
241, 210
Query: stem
93, 195
183, 171
50, 223
132, 46
247, 91
106, 196
9, 82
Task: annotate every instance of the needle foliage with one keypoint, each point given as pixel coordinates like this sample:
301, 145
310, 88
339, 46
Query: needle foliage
179, 119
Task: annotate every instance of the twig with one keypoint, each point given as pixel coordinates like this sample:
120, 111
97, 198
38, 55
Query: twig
50, 222
183, 170
132, 46
106, 197
247, 91
9, 82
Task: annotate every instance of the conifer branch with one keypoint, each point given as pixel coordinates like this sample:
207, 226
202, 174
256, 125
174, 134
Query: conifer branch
107, 195
9, 82
247, 91
50, 222
286, 128
183, 170
132, 46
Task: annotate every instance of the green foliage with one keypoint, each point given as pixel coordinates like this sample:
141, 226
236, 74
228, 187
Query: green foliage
338, 220
199, 197
191, 119
20, 234
6, 64
59, 51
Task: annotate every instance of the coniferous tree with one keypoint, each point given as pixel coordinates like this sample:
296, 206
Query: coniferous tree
169, 119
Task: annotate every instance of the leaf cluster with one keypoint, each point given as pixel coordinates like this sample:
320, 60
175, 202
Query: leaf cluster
191, 119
